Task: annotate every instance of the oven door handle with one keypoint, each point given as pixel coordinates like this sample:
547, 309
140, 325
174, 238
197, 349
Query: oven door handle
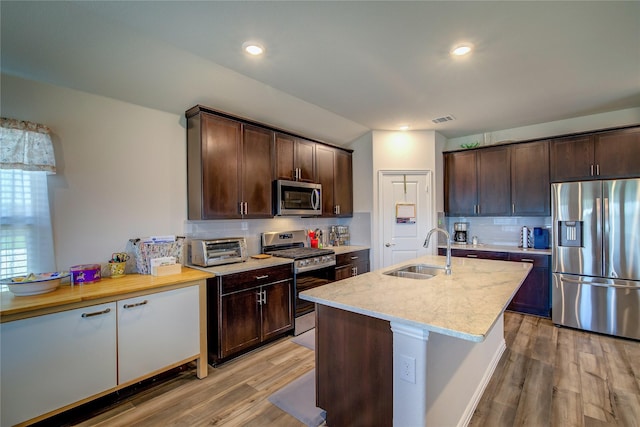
314, 267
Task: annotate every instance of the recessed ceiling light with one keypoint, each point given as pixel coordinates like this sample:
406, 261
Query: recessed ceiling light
253, 48
461, 50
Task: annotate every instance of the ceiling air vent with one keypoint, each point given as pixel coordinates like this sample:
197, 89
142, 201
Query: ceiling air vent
443, 119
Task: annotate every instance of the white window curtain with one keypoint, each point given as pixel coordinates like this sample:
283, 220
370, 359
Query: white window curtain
26, 238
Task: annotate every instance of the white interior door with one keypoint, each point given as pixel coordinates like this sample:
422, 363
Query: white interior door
403, 194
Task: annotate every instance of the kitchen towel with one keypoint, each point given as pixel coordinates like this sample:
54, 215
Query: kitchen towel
298, 399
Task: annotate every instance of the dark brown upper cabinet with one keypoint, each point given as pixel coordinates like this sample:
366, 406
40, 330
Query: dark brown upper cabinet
334, 172
295, 158
229, 168
530, 187
477, 182
601, 155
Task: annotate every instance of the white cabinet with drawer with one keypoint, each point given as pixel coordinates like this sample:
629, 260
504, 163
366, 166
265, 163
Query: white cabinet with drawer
57, 359
156, 331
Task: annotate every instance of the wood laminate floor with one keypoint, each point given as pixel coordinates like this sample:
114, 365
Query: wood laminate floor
548, 376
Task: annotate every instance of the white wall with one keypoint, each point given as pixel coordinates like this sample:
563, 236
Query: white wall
122, 175
121, 168
396, 150
627, 117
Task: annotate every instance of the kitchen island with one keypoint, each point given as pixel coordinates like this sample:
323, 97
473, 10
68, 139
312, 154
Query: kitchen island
408, 352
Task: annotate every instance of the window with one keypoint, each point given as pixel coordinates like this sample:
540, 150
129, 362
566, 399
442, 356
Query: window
26, 157
26, 244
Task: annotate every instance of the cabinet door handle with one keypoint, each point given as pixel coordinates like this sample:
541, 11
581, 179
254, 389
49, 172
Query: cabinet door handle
259, 297
266, 276
513, 208
591, 171
138, 304
264, 296
472, 256
598, 169
96, 313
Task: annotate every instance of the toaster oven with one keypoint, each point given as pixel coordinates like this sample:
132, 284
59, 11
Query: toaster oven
209, 252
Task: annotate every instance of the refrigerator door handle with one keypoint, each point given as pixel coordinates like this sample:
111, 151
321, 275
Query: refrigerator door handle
595, 283
599, 236
605, 237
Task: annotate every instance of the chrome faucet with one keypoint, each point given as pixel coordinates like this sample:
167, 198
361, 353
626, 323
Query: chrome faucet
447, 267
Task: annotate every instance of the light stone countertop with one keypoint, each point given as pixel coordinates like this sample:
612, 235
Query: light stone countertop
465, 304
497, 248
339, 250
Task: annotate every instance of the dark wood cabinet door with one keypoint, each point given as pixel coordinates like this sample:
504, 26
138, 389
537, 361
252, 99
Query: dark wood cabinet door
460, 183
257, 147
571, 158
533, 295
343, 184
305, 159
617, 154
295, 158
325, 162
285, 150
342, 272
221, 157
239, 321
277, 309
494, 182
530, 187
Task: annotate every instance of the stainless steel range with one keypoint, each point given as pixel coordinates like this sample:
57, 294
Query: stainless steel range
312, 267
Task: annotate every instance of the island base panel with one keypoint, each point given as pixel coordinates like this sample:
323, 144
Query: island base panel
354, 368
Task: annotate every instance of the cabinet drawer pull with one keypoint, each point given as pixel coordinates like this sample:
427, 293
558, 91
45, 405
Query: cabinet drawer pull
354, 257
138, 304
266, 276
472, 256
526, 260
96, 313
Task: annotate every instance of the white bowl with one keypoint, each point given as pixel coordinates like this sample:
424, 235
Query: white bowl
36, 284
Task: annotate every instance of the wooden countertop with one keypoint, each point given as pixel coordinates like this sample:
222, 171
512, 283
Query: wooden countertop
465, 304
66, 296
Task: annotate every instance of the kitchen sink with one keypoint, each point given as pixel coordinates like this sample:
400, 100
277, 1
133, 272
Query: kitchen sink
416, 271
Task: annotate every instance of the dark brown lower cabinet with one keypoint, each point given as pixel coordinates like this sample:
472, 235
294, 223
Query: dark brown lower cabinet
534, 296
354, 368
245, 310
351, 264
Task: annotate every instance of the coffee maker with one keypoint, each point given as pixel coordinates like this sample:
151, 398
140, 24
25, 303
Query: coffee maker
460, 233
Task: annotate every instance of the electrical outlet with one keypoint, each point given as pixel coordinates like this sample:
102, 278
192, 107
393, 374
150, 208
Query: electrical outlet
407, 369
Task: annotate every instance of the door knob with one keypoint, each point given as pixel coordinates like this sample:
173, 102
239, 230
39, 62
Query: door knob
389, 244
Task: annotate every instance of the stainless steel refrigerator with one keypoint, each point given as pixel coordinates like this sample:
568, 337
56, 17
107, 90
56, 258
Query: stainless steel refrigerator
596, 256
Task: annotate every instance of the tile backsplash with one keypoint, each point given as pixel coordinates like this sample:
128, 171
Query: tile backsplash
503, 231
252, 229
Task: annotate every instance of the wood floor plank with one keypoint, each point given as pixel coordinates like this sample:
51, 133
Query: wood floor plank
534, 407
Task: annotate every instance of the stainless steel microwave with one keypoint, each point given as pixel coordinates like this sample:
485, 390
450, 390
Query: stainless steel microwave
296, 198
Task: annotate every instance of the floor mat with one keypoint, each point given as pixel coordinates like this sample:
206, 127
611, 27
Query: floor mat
307, 339
298, 398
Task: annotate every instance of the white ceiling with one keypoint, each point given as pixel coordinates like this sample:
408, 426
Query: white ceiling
334, 70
